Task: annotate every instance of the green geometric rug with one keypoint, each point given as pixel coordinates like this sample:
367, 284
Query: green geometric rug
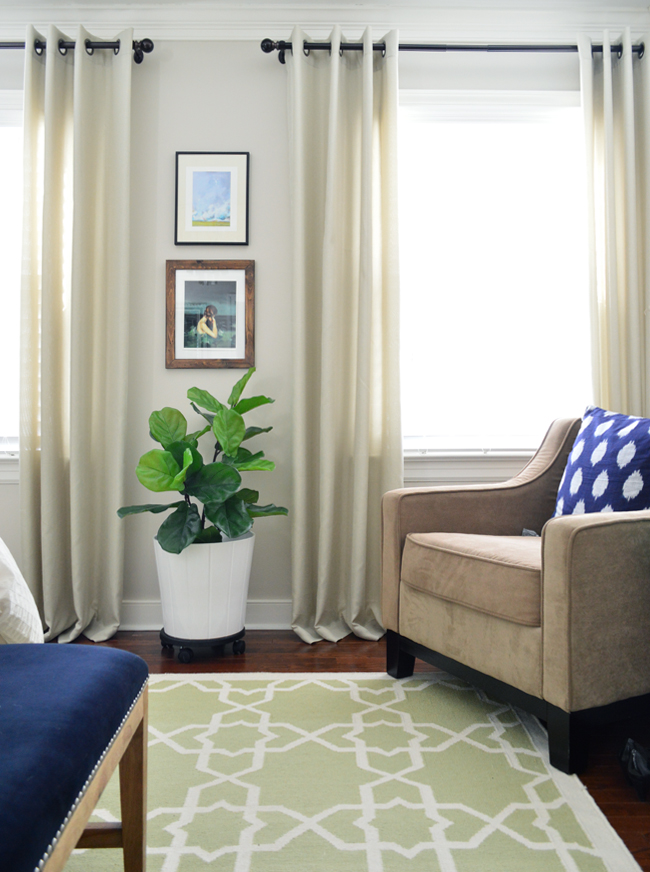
354, 773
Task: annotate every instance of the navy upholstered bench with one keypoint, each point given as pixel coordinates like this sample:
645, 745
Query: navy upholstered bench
68, 715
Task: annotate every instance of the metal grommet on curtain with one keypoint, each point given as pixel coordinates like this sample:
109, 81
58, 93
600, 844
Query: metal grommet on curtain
39, 47
619, 50
89, 48
305, 50
383, 49
62, 47
641, 51
116, 50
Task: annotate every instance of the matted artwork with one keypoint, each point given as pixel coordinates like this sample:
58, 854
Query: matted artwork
211, 198
210, 313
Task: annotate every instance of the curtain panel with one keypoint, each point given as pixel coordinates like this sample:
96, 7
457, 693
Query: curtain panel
347, 429
74, 331
615, 99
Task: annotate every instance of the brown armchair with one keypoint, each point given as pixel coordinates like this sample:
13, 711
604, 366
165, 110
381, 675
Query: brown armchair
558, 625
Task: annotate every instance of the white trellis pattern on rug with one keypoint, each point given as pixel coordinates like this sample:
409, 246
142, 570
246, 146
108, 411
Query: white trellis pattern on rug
351, 772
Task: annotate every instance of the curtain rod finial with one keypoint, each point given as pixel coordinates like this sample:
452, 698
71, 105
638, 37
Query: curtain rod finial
267, 45
140, 48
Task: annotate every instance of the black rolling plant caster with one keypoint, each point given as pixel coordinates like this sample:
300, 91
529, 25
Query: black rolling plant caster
187, 647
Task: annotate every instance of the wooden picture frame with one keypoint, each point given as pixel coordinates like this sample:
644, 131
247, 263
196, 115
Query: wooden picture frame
210, 314
211, 198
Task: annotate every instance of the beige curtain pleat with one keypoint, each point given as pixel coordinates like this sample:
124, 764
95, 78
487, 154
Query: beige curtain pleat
347, 429
616, 122
74, 332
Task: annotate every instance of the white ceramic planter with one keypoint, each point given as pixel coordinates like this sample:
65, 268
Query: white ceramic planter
204, 589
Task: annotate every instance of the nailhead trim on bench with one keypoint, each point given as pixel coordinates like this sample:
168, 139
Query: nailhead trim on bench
83, 790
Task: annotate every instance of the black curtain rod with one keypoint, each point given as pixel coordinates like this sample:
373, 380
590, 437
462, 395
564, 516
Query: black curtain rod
282, 47
140, 46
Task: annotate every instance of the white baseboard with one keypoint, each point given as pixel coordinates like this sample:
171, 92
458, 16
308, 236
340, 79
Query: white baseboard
271, 614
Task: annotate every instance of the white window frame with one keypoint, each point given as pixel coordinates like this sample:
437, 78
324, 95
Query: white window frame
447, 466
11, 115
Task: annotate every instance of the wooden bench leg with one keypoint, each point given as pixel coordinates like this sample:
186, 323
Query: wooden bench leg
133, 798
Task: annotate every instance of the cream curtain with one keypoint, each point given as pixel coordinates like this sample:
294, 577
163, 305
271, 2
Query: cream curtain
74, 331
347, 433
615, 95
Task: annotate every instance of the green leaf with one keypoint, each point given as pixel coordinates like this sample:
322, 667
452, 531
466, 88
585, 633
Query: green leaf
167, 426
213, 483
187, 463
245, 461
265, 511
248, 495
230, 517
236, 392
204, 399
193, 438
207, 535
154, 508
229, 428
255, 431
158, 471
255, 462
178, 449
252, 403
180, 529
209, 418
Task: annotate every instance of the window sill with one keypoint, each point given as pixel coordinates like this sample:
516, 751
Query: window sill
438, 467
9, 467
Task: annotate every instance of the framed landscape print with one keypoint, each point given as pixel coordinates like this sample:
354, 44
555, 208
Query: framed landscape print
210, 314
211, 198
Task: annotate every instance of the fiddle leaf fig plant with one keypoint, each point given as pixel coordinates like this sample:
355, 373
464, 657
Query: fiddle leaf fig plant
212, 501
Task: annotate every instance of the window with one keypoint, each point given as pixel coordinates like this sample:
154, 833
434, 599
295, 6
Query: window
11, 181
494, 281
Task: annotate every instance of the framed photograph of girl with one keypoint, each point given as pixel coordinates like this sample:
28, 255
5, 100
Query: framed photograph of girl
211, 198
210, 314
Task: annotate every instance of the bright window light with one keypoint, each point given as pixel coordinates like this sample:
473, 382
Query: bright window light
494, 283
11, 181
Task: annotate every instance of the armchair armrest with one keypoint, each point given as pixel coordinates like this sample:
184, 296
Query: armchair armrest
502, 509
596, 608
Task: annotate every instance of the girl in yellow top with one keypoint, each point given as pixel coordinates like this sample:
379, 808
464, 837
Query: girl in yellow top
208, 323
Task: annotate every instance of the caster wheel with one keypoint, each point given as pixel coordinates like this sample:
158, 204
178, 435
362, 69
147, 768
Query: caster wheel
239, 646
168, 650
185, 655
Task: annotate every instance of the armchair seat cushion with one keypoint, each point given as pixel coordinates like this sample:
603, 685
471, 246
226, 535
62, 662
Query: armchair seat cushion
497, 575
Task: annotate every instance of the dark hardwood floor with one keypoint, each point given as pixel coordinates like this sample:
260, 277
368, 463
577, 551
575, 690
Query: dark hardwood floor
282, 651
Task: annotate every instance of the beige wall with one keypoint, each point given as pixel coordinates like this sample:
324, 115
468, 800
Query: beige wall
210, 96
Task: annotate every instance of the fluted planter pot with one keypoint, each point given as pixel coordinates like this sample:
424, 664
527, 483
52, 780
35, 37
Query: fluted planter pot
203, 591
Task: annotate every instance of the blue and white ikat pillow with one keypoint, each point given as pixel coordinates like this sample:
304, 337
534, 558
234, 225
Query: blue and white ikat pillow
608, 469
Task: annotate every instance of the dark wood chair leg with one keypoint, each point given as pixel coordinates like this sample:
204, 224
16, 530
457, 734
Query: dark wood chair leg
399, 663
567, 740
133, 797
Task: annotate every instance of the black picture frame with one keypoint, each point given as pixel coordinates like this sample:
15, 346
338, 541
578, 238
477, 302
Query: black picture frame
212, 193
